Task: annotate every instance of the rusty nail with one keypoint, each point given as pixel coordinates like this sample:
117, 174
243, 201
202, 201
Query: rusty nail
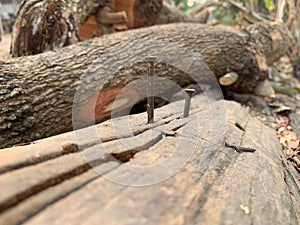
150, 98
187, 103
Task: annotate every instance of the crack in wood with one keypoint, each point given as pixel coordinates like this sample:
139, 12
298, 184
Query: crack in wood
35, 211
21, 196
48, 197
239, 126
71, 148
66, 149
124, 157
212, 172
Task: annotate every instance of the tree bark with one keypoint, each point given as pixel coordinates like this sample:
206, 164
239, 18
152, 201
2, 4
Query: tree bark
55, 24
37, 92
236, 175
140, 13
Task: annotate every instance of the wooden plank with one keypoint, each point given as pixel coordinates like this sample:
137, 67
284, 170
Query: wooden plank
36, 203
49, 148
178, 172
52, 172
19, 167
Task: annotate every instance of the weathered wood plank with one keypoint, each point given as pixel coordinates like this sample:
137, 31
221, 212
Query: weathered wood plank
46, 149
36, 203
187, 176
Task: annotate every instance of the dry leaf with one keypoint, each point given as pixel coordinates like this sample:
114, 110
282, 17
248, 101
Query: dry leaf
289, 139
245, 209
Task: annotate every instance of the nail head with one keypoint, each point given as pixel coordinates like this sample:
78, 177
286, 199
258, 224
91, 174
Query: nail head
151, 58
190, 91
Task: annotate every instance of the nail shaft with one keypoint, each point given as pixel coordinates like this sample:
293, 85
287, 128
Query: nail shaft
187, 103
150, 98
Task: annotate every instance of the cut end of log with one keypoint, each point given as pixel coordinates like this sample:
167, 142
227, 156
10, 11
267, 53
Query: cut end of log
89, 29
264, 88
114, 101
127, 6
116, 105
51, 24
228, 79
110, 103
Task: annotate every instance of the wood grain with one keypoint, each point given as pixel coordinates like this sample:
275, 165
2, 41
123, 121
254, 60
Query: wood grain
66, 180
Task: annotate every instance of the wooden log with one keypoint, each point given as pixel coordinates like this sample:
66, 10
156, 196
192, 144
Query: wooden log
137, 14
37, 92
55, 24
107, 18
140, 13
214, 185
228, 78
89, 29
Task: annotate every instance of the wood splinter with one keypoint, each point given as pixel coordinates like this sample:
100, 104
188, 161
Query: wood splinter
240, 149
228, 78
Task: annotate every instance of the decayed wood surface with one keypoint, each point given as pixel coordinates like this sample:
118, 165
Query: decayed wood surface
49, 180
37, 91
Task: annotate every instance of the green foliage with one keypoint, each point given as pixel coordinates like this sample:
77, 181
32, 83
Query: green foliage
184, 6
269, 4
228, 13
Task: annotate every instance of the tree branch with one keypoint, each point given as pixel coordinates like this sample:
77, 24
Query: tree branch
280, 11
203, 6
248, 11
